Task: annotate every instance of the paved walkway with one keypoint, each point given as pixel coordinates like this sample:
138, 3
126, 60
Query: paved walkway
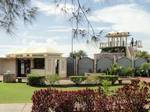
21, 107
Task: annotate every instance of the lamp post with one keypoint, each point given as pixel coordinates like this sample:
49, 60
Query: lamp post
132, 56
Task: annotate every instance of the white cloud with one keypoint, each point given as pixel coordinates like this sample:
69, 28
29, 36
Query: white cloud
124, 17
99, 0
119, 1
60, 29
52, 9
147, 1
65, 48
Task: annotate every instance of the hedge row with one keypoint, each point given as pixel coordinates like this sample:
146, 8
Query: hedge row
130, 98
95, 78
36, 80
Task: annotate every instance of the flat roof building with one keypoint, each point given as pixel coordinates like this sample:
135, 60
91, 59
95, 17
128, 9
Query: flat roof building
39, 60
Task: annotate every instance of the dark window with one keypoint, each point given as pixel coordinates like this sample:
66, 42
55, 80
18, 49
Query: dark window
39, 63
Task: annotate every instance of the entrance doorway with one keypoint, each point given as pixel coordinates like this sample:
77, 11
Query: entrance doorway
57, 67
23, 67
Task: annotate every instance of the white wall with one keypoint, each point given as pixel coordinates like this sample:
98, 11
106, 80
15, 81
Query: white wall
7, 65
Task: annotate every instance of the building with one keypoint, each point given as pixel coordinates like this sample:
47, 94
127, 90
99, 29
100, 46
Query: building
117, 46
42, 61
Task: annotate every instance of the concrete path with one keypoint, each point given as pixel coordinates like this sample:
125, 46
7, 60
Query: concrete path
20, 107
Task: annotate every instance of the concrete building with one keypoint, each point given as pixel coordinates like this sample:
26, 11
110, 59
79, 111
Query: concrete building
42, 61
117, 46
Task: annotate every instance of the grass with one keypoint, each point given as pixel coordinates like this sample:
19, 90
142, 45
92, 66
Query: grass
16, 92
22, 93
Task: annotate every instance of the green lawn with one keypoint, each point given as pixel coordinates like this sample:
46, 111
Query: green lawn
22, 93
16, 92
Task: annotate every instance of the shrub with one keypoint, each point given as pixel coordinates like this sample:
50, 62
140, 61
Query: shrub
52, 79
92, 79
130, 98
111, 78
98, 78
126, 71
63, 101
115, 69
35, 80
105, 85
145, 69
133, 97
77, 79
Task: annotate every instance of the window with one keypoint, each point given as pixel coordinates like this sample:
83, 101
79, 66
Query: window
39, 63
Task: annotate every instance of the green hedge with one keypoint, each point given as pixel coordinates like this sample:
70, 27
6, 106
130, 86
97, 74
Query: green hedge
98, 78
77, 79
52, 79
35, 80
112, 78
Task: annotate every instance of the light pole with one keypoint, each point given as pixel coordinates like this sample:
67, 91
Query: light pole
132, 56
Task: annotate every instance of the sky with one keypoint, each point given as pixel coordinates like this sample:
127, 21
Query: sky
52, 29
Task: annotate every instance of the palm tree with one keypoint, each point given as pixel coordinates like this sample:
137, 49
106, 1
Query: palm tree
13, 10
80, 54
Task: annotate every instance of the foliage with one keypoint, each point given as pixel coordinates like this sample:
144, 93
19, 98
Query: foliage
79, 18
114, 49
22, 93
111, 78
92, 79
145, 69
77, 79
135, 97
35, 80
80, 54
130, 98
53, 78
105, 85
126, 71
146, 66
121, 71
99, 78
13, 10
115, 69
142, 54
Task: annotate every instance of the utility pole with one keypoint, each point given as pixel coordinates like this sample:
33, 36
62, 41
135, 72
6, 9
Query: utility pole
132, 45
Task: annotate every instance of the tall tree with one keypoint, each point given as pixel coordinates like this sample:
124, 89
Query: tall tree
13, 10
81, 25
79, 54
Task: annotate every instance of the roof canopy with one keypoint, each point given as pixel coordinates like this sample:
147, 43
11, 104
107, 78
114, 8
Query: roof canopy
118, 34
33, 51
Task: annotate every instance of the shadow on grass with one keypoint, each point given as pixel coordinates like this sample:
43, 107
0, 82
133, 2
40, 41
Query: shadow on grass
73, 85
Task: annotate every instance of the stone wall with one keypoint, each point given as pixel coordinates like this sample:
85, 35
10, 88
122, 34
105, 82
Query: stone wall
86, 65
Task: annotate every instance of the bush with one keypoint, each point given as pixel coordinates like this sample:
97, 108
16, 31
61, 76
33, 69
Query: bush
121, 71
145, 69
130, 98
126, 71
92, 79
115, 69
105, 85
111, 78
98, 78
77, 79
35, 80
52, 79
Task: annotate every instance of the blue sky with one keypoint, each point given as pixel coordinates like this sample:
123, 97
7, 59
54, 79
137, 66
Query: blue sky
52, 29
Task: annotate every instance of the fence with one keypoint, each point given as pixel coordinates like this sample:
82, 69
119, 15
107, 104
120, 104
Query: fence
88, 65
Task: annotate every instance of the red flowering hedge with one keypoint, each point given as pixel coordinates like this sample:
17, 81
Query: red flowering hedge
130, 98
